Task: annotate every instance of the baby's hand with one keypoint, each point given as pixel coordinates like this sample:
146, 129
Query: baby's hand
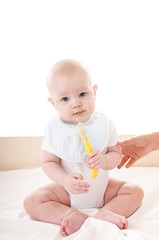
74, 184
96, 160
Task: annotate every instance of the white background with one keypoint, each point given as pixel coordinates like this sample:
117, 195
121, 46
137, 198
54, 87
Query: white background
117, 40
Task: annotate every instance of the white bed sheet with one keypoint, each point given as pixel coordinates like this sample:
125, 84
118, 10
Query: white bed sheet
15, 224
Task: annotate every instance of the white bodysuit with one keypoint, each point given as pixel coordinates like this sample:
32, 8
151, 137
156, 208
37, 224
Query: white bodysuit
62, 139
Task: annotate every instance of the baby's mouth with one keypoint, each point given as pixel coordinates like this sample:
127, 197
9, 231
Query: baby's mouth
78, 113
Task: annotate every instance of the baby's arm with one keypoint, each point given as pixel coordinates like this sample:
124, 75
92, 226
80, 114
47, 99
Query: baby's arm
52, 168
108, 161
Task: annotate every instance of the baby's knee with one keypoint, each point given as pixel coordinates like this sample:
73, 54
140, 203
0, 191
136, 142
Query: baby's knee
30, 205
136, 192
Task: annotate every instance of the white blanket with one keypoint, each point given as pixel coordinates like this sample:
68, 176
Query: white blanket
15, 224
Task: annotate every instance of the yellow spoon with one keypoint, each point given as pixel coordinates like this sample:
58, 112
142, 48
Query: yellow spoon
82, 133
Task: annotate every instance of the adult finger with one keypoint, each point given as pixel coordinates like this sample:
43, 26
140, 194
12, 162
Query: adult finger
125, 158
130, 162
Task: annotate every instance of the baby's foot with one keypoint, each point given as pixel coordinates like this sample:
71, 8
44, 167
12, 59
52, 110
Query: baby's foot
72, 222
119, 220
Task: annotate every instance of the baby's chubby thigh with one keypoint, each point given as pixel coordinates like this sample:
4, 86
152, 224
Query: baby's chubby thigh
54, 192
112, 189
43, 199
57, 193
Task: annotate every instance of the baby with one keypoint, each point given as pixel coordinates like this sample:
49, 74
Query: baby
67, 164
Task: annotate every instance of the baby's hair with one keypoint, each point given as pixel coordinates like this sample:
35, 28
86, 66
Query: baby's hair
64, 67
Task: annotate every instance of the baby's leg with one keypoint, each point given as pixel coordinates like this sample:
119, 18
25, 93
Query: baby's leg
120, 201
52, 204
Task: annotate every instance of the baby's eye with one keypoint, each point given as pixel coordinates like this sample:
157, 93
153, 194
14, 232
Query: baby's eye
64, 99
83, 94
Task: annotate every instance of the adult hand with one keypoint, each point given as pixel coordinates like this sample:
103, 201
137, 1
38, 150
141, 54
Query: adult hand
134, 149
74, 184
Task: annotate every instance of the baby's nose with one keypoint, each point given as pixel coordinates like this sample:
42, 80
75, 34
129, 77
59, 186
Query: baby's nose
76, 103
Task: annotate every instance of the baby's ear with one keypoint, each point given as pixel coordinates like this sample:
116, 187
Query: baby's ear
51, 101
95, 87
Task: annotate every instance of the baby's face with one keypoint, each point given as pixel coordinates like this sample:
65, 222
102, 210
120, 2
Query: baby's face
74, 97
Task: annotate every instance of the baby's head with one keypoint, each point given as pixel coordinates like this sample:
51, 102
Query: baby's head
71, 91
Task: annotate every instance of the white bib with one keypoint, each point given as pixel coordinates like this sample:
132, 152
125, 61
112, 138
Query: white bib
62, 138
